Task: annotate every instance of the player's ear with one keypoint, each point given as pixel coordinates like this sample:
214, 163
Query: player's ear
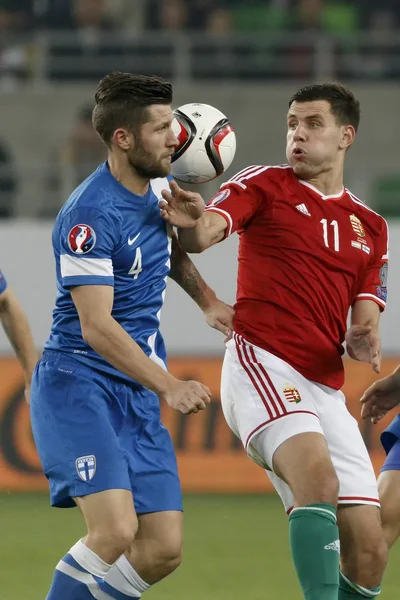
348, 136
122, 138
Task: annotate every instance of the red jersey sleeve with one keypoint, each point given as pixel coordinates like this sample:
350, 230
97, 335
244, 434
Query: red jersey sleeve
239, 198
374, 282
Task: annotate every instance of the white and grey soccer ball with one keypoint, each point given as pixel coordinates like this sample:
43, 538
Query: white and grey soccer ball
207, 143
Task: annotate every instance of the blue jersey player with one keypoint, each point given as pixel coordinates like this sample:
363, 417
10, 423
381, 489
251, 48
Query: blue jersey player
96, 391
377, 401
16, 328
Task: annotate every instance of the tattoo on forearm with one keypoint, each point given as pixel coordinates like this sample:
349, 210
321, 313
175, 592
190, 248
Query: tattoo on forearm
185, 274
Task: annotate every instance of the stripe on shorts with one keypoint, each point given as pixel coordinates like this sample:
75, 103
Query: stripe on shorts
260, 379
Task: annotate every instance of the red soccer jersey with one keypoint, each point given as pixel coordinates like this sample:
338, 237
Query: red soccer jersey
304, 259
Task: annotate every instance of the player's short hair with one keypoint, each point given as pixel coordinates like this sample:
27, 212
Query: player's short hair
122, 100
344, 106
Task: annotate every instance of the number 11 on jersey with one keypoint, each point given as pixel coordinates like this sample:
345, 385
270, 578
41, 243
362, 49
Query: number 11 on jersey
335, 226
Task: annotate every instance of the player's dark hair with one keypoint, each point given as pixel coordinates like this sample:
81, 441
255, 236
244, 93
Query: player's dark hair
122, 100
344, 106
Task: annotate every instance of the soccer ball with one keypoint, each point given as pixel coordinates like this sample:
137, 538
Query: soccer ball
207, 143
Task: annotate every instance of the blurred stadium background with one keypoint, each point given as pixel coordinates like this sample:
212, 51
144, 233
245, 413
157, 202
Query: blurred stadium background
245, 57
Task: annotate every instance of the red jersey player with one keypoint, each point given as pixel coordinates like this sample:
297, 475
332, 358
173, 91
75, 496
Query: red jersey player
309, 251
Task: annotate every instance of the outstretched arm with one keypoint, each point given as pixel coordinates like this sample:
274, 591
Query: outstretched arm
16, 327
218, 314
109, 339
198, 230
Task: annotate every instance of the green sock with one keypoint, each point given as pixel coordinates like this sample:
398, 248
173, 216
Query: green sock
314, 540
351, 591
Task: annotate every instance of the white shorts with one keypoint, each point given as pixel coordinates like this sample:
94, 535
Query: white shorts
262, 393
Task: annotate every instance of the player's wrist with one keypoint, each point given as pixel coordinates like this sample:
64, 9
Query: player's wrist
207, 299
166, 385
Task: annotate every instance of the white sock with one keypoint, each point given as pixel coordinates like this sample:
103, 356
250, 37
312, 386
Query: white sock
123, 577
89, 560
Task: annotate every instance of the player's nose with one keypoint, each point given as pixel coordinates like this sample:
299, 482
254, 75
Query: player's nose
172, 139
299, 134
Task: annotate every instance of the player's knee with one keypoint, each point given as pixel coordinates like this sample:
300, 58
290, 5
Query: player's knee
329, 490
323, 489
366, 565
167, 556
170, 554
118, 536
390, 516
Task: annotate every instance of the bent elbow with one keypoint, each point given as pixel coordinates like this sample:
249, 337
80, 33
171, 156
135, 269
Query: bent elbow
91, 328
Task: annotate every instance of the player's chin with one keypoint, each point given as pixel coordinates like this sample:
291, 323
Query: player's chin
300, 169
165, 166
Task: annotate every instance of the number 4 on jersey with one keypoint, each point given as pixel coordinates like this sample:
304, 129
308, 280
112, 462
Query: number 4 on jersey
335, 233
136, 267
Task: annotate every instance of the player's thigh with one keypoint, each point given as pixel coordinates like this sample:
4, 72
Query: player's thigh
110, 513
363, 549
350, 458
74, 430
260, 392
302, 473
389, 493
150, 454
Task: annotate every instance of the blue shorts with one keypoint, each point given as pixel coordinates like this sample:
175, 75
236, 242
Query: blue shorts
390, 439
94, 432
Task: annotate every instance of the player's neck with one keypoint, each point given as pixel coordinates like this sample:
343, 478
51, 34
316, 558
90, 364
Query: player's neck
124, 174
329, 183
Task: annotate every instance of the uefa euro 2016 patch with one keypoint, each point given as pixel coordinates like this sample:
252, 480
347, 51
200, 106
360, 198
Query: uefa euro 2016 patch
381, 292
81, 239
220, 197
383, 274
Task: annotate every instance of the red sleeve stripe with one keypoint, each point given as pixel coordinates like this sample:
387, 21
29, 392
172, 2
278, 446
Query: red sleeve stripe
372, 297
224, 214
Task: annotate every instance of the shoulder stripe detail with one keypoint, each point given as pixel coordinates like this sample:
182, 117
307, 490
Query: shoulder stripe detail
361, 203
243, 172
250, 173
72, 266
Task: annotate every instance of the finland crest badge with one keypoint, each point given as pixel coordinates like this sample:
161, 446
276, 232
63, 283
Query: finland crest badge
86, 467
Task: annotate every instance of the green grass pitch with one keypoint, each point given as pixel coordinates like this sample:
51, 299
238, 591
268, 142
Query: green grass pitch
235, 547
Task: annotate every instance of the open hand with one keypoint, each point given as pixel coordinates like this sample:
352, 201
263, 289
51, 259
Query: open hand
364, 344
381, 397
220, 316
180, 207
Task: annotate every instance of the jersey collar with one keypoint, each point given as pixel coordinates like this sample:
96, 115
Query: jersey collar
320, 194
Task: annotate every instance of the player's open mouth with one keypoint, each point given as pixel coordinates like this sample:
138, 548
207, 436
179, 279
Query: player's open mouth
298, 153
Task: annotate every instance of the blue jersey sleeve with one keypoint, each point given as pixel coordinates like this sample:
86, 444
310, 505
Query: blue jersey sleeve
87, 238
3, 282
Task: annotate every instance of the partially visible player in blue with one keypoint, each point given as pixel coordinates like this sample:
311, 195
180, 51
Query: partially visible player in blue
377, 401
16, 328
97, 389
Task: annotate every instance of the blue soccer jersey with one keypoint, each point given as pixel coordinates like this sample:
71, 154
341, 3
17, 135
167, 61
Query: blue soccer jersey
106, 235
3, 282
